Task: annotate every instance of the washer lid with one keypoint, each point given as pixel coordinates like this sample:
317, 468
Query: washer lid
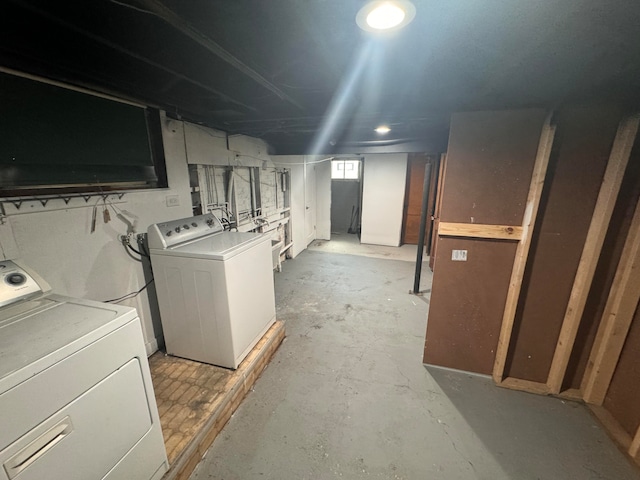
221, 246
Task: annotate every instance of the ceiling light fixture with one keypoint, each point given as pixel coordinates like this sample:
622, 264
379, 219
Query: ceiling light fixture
382, 130
385, 16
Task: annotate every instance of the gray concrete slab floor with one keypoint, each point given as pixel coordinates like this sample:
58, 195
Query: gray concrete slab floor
347, 396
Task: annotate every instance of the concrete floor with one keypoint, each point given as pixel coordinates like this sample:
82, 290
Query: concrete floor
347, 396
349, 243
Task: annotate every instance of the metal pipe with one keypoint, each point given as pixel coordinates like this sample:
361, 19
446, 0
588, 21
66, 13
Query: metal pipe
423, 227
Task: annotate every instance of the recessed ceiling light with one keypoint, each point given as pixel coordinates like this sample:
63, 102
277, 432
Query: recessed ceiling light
382, 130
385, 16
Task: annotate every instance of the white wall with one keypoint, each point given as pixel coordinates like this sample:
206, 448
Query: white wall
323, 200
383, 198
55, 240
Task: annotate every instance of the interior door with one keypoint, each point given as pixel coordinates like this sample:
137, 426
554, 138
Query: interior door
436, 212
413, 199
309, 203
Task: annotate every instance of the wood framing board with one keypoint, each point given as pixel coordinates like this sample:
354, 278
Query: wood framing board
623, 396
605, 203
522, 251
574, 177
473, 230
616, 320
634, 449
524, 386
613, 428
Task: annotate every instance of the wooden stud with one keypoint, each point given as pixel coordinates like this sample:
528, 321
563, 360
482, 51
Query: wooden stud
522, 252
612, 426
618, 159
474, 230
635, 445
616, 319
573, 394
524, 386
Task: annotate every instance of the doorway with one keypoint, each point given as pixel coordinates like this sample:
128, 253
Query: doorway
346, 196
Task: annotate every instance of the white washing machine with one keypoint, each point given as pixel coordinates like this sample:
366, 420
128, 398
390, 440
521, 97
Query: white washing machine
76, 399
215, 288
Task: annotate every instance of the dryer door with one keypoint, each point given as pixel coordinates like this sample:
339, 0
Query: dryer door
86, 438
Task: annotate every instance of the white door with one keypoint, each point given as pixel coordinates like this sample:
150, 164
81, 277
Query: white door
309, 203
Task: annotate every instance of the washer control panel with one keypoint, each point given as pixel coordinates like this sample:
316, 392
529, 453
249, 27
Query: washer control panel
168, 234
16, 283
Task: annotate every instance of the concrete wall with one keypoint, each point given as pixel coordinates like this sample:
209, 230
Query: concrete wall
384, 180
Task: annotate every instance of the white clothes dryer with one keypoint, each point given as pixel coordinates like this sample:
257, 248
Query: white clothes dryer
76, 399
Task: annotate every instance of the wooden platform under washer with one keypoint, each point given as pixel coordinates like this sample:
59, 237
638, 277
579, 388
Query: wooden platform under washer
195, 400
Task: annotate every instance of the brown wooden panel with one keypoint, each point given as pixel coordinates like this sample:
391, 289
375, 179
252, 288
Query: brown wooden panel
581, 150
490, 160
436, 211
605, 271
413, 197
467, 301
623, 396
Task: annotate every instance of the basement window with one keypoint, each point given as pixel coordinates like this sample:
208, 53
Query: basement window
345, 169
54, 139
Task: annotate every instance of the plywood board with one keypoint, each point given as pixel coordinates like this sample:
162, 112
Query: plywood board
576, 169
466, 306
490, 160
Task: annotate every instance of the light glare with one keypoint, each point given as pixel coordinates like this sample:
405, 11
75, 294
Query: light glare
382, 130
385, 16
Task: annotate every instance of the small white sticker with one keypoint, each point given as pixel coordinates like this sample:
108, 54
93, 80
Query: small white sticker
459, 255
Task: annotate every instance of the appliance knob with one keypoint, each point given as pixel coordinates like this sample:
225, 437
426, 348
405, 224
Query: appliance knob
177, 229
185, 226
15, 279
210, 222
194, 224
169, 233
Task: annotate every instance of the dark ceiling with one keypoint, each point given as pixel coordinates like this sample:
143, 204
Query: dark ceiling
301, 75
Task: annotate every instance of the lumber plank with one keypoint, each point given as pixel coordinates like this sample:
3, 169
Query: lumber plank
474, 230
635, 445
616, 319
525, 386
522, 251
573, 394
611, 425
596, 234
